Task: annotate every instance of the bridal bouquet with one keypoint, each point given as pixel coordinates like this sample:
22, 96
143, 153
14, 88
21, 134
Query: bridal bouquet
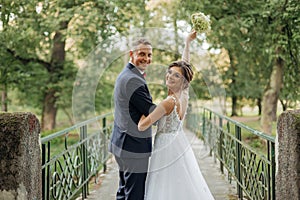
201, 22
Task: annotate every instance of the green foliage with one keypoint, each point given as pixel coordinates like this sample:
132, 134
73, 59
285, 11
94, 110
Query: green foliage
28, 38
251, 34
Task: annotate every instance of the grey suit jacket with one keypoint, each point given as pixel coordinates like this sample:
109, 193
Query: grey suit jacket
131, 100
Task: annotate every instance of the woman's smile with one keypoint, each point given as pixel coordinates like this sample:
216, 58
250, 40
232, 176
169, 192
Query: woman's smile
174, 77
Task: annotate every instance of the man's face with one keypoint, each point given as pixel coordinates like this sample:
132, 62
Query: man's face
142, 56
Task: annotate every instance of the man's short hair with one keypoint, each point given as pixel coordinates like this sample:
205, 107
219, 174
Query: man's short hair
140, 41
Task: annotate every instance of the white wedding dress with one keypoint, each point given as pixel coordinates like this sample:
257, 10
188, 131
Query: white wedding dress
173, 172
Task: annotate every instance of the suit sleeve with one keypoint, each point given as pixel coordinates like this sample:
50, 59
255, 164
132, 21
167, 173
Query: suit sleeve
140, 101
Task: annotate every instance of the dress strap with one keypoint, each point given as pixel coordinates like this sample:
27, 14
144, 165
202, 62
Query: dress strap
175, 106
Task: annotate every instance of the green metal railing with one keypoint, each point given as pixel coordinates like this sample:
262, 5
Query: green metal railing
252, 168
68, 168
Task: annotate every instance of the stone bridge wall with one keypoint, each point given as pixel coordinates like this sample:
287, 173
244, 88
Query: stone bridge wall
288, 156
20, 157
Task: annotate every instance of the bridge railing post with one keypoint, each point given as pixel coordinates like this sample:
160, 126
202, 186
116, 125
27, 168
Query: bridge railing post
210, 134
84, 155
221, 144
103, 142
271, 171
45, 171
203, 123
239, 161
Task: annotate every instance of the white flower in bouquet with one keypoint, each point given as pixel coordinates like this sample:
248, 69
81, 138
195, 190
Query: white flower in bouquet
201, 22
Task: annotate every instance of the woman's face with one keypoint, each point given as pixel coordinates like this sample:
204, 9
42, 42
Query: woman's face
174, 79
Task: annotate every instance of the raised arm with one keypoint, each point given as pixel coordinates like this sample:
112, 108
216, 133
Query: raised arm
186, 57
186, 51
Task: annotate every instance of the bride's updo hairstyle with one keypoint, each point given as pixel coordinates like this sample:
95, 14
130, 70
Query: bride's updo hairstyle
186, 70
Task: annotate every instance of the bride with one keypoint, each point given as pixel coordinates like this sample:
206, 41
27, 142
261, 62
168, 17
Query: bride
173, 171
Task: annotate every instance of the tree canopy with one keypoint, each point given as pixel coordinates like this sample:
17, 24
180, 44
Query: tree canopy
253, 46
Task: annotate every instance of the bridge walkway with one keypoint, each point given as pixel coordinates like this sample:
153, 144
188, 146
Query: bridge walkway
217, 182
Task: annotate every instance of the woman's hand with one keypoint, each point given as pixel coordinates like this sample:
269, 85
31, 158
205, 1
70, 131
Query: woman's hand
192, 35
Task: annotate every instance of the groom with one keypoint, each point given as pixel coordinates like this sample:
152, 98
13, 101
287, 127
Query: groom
131, 147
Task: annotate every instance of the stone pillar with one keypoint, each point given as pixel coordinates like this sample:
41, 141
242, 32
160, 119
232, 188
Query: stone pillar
20, 157
288, 156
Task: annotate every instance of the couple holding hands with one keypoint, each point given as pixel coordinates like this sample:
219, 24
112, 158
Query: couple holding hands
167, 170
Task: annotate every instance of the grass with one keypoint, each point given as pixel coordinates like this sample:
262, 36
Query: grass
250, 138
256, 125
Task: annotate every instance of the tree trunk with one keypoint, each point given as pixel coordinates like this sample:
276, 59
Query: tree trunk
232, 86
283, 104
4, 99
55, 72
49, 111
259, 106
71, 121
270, 98
234, 106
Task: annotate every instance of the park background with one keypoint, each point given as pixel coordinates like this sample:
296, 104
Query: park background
253, 47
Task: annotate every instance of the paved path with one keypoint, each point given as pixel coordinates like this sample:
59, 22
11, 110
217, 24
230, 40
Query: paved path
218, 184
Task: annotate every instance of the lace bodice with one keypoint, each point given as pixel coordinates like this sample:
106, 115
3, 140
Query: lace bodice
170, 123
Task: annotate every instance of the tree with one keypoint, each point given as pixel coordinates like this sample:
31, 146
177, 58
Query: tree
44, 44
261, 38
282, 22
45, 40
